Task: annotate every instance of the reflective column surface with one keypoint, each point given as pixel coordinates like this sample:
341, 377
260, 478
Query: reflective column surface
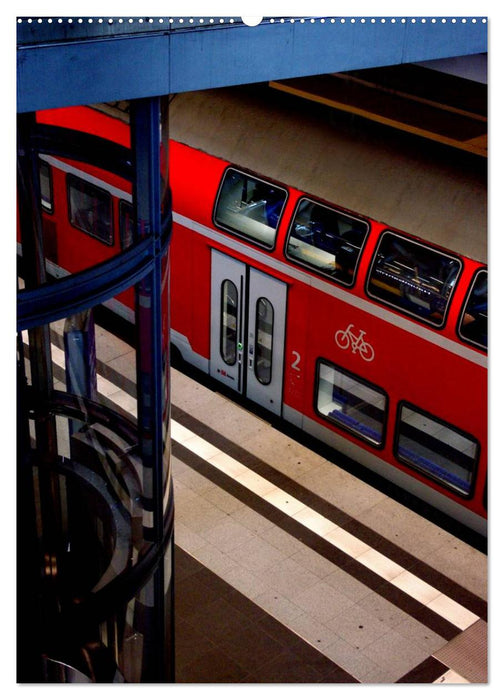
94, 488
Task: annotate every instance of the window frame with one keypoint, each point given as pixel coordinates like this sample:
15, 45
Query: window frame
122, 204
400, 309
72, 177
236, 232
313, 268
428, 475
222, 336
49, 209
341, 425
473, 343
257, 343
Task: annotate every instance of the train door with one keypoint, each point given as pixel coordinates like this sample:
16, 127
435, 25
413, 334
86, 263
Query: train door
247, 331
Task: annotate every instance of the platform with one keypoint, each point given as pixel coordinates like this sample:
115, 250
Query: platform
291, 570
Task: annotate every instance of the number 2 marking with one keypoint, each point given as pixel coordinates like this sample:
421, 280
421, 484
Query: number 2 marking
295, 364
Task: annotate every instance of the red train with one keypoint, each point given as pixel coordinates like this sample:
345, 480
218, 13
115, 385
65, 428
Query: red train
294, 295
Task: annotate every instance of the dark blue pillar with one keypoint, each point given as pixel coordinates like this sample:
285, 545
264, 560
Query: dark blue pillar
95, 497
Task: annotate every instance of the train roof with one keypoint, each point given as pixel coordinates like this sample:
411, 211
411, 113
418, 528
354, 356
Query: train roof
426, 189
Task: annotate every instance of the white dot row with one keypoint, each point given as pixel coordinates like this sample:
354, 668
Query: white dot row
292, 20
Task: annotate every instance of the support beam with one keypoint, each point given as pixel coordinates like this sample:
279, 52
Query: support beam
95, 64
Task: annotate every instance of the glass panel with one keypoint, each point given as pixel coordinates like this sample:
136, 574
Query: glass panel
414, 278
326, 240
91, 504
90, 209
126, 224
436, 449
474, 320
46, 187
250, 207
351, 403
229, 322
264, 341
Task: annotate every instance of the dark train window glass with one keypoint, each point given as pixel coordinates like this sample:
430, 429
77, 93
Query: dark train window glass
414, 278
229, 322
46, 192
126, 225
436, 449
351, 403
326, 240
90, 209
473, 325
264, 341
250, 207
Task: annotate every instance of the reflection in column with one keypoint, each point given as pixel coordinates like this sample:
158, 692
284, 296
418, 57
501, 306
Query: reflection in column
95, 503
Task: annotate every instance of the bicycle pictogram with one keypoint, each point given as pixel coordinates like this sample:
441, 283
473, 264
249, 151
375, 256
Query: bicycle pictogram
347, 338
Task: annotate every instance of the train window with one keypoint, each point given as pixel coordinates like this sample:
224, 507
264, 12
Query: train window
126, 225
46, 191
414, 278
249, 207
90, 209
436, 449
351, 403
264, 341
326, 240
229, 322
473, 325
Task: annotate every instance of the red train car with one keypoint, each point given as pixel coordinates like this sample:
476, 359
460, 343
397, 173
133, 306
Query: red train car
366, 337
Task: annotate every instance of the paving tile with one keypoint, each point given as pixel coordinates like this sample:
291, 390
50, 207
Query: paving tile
200, 515
188, 596
256, 555
246, 582
395, 654
284, 501
352, 660
227, 535
190, 646
255, 522
313, 631
415, 587
217, 618
289, 578
462, 563
213, 667
250, 648
383, 609
421, 635
279, 606
314, 521
358, 626
286, 667
348, 585
109, 346
452, 611
322, 601
313, 561
382, 566
186, 538
214, 559
284, 541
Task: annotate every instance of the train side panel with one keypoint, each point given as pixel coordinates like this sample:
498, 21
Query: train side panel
400, 394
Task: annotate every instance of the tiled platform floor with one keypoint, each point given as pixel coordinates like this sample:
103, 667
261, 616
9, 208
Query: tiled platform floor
222, 637
268, 601
265, 595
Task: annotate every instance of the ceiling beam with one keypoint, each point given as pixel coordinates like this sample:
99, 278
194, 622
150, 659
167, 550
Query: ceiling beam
67, 63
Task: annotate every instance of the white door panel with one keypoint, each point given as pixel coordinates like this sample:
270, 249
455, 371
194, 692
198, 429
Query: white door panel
247, 331
265, 340
226, 340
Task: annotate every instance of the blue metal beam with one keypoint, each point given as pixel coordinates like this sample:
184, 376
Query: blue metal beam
58, 66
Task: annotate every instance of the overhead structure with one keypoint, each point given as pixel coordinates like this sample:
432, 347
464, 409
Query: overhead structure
68, 60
